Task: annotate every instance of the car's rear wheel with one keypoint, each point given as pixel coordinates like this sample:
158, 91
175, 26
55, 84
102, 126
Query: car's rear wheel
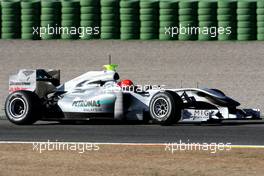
22, 107
165, 108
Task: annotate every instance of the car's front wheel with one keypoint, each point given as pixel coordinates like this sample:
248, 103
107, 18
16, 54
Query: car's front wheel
22, 107
164, 108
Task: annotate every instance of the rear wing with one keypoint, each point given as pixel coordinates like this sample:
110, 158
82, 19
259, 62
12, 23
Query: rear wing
26, 79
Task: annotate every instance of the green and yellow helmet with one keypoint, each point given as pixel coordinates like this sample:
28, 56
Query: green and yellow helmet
110, 67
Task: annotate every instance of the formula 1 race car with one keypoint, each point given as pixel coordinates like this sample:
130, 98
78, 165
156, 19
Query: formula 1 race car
38, 95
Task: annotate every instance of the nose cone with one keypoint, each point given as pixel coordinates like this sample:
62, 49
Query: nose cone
231, 102
221, 98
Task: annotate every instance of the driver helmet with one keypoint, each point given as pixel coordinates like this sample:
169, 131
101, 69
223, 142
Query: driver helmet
125, 83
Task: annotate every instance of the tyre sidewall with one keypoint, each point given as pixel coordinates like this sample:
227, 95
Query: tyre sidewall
29, 99
168, 118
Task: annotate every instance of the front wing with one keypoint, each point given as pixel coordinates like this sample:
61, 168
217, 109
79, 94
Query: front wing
200, 115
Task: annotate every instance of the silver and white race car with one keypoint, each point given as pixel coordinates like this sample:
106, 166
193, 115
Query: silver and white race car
38, 95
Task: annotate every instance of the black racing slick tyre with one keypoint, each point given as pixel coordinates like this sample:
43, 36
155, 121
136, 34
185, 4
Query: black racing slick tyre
22, 108
165, 108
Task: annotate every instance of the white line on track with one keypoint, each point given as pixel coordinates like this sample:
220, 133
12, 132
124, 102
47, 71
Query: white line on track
125, 144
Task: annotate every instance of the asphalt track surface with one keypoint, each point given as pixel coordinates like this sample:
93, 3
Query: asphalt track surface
113, 132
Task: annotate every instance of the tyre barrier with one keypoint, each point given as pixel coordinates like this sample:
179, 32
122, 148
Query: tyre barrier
110, 19
149, 19
260, 20
246, 20
188, 18
10, 20
207, 18
226, 17
50, 19
168, 18
203, 20
70, 18
129, 20
30, 19
0, 20
90, 19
